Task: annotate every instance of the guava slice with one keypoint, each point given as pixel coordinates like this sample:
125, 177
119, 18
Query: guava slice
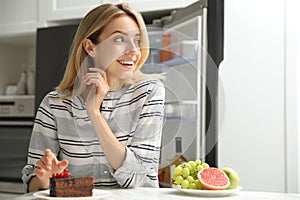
213, 179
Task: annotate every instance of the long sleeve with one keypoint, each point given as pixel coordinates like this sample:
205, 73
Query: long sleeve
44, 135
142, 157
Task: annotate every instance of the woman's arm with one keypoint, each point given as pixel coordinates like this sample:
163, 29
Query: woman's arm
140, 167
45, 167
131, 165
137, 163
42, 163
114, 151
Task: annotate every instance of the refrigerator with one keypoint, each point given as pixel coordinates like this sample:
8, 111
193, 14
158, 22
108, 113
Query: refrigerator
195, 40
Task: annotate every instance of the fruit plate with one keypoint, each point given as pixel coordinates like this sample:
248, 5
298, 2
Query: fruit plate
209, 193
97, 194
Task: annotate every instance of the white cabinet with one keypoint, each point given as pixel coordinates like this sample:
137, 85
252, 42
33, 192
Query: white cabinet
59, 10
18, 22
55, 10
154, 5
18, 17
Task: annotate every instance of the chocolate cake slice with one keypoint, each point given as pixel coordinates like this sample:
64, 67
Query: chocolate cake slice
71, 187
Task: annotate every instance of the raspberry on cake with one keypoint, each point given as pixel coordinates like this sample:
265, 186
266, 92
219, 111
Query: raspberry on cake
62, 185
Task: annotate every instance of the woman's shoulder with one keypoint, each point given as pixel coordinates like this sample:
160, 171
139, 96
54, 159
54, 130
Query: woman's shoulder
147, 87
55, 95
148, 82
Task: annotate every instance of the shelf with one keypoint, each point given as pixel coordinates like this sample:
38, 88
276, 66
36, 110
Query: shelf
179, 61
183, 52
184, 110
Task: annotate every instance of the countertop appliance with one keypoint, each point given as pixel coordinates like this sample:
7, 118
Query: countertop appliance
16, 122
16, 106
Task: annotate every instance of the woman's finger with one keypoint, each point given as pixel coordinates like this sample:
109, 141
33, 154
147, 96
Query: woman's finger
96, 81
47, 162
88, 77
40, 172
95, 69
63, 164
40, 165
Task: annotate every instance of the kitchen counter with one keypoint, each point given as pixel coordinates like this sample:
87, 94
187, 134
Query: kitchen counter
173, 194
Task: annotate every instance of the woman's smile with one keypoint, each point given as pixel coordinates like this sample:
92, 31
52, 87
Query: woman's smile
128, 64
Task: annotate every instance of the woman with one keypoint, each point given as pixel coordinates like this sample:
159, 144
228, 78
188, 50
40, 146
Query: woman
105, 117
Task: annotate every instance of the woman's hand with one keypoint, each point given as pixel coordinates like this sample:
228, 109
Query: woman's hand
98, 80
48, 165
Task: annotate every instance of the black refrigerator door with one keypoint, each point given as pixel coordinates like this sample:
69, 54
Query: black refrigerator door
215, 32
52, 52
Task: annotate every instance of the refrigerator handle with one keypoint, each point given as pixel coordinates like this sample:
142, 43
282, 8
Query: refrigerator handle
202, 110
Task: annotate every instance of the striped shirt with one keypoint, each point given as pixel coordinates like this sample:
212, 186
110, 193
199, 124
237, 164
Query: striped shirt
135, 116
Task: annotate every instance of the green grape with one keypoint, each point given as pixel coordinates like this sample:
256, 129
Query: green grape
205, 165
185, 172
193, 186
199, 168
190, 179
193, 165
178, 180
178, 170
188, 165
174, 177
198, 185
198, 162
185, 184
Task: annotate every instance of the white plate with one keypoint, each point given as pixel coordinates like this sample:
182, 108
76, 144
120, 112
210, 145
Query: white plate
210, 193
96, 194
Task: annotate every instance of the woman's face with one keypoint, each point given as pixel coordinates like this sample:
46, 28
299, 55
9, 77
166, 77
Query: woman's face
118, 51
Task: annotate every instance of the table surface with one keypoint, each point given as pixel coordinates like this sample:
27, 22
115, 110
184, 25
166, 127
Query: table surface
173, 194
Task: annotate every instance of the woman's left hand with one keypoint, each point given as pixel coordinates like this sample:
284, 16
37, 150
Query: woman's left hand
98, 80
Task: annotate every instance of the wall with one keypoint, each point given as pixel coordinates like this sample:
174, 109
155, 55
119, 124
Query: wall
253, 135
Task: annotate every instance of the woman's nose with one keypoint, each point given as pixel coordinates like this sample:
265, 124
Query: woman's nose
132, 47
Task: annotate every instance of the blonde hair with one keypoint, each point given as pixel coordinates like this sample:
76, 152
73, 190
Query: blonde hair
91, 26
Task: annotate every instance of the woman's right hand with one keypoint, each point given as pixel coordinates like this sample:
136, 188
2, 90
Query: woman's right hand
98, 80
48, 165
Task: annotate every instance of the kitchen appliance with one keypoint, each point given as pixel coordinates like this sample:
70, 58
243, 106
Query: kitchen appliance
16, 121
191, 110
16, 106
191, 78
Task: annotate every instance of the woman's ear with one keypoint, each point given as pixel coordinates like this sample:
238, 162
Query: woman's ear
89, 46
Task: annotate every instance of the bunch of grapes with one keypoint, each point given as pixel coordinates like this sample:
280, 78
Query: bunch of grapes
185, 175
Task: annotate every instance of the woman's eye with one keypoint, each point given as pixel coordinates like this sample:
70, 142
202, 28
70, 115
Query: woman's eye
119, 39
137, 41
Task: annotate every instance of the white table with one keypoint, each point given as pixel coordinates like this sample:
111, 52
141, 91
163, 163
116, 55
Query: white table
172, 194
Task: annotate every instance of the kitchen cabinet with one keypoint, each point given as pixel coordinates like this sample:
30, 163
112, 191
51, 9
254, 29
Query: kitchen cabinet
55, 10
18, 17
59, 10
154, 5
18, 22
13, 151
16, 53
